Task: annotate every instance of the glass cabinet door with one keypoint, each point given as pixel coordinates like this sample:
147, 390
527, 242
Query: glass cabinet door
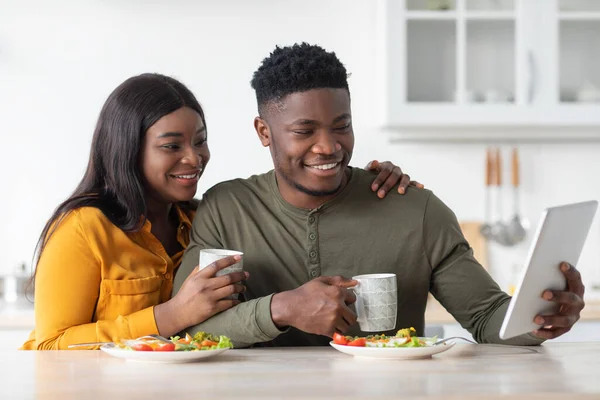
579, 51
474, 63
460, 51
430, 51
490, 37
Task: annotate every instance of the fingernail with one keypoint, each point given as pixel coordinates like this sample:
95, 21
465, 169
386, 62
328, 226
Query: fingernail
381, 193
401, 190
247, 274
565, 267
539, 320
237, 257
547, 295
375, 187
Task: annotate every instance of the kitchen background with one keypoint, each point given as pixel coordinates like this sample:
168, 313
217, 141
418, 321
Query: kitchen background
431, 90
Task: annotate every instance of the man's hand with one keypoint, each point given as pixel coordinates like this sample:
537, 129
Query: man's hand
571, 303
319, 306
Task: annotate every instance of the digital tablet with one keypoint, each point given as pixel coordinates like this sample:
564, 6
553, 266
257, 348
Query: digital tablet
560, 236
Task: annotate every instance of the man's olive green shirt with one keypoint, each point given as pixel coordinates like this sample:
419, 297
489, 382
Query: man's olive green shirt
413, 235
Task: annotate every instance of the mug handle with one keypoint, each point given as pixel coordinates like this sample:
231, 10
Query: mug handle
359, 305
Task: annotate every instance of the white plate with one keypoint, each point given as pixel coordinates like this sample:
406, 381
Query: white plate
394, 353
160, 356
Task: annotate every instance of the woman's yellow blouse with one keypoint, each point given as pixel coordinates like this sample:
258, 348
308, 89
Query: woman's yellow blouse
95, 282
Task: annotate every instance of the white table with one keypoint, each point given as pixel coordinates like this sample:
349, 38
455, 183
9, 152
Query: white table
558, 370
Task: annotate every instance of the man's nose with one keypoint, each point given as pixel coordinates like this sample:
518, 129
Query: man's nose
326, 144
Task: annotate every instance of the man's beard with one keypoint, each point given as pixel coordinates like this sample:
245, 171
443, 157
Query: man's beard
315, 193
310, 192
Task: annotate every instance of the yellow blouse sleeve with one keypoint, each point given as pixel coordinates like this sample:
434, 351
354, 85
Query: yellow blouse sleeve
67, 288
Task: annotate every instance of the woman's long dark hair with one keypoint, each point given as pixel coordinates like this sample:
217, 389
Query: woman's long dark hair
113, 181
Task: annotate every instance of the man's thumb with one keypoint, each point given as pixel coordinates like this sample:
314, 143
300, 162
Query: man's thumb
339, 281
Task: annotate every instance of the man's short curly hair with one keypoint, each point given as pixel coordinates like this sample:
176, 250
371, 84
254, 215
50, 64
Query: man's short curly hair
294, 69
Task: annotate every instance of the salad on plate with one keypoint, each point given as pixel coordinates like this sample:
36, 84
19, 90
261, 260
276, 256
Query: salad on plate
406, 337
404, 345
200, 341
174, 350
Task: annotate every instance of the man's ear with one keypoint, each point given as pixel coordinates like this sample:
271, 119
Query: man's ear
263, 131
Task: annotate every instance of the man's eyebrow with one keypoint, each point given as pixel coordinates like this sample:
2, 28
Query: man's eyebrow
342, 117
304, 122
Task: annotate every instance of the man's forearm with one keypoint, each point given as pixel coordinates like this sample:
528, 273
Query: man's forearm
247, 323
488, 331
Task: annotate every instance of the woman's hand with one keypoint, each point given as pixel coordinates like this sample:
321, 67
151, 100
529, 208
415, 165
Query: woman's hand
201, 296
389, 176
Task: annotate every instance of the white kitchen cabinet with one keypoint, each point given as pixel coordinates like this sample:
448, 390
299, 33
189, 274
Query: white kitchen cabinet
496, 64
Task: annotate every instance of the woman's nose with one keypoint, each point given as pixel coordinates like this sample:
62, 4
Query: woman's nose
192, 158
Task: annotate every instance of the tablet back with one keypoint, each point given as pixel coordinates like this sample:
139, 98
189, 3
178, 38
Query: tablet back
560, 237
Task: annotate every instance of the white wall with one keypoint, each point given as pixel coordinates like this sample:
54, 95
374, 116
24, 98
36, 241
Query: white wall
60, 59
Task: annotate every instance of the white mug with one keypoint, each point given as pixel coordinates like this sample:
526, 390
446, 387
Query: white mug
376, 302
209, 256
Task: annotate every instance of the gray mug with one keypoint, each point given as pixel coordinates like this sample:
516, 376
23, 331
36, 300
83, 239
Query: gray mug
376, 302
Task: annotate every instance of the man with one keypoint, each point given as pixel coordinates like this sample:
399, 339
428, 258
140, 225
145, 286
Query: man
312, 221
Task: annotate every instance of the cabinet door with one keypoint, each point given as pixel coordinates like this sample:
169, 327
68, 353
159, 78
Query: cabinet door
537, 54
449, 62
577, 88
561, 61
451, 65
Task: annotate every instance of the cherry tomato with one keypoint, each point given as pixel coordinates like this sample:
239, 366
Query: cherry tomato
338, 338
142, 347
360, 342
166, 347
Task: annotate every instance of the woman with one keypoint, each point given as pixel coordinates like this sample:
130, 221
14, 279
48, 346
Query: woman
107, 256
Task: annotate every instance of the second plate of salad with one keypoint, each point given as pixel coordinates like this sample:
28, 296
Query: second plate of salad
404, 345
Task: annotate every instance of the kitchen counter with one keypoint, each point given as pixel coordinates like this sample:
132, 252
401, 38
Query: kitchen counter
553, 371
17, 320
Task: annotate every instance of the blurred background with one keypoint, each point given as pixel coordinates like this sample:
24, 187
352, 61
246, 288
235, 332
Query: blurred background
459, 93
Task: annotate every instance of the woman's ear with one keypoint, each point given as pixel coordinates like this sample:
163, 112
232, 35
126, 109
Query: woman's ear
263, 131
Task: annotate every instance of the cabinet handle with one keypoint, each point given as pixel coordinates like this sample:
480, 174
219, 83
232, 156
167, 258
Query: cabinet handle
532, 77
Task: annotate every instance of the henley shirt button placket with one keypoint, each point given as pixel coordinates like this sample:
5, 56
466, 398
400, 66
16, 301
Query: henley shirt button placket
312, 247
